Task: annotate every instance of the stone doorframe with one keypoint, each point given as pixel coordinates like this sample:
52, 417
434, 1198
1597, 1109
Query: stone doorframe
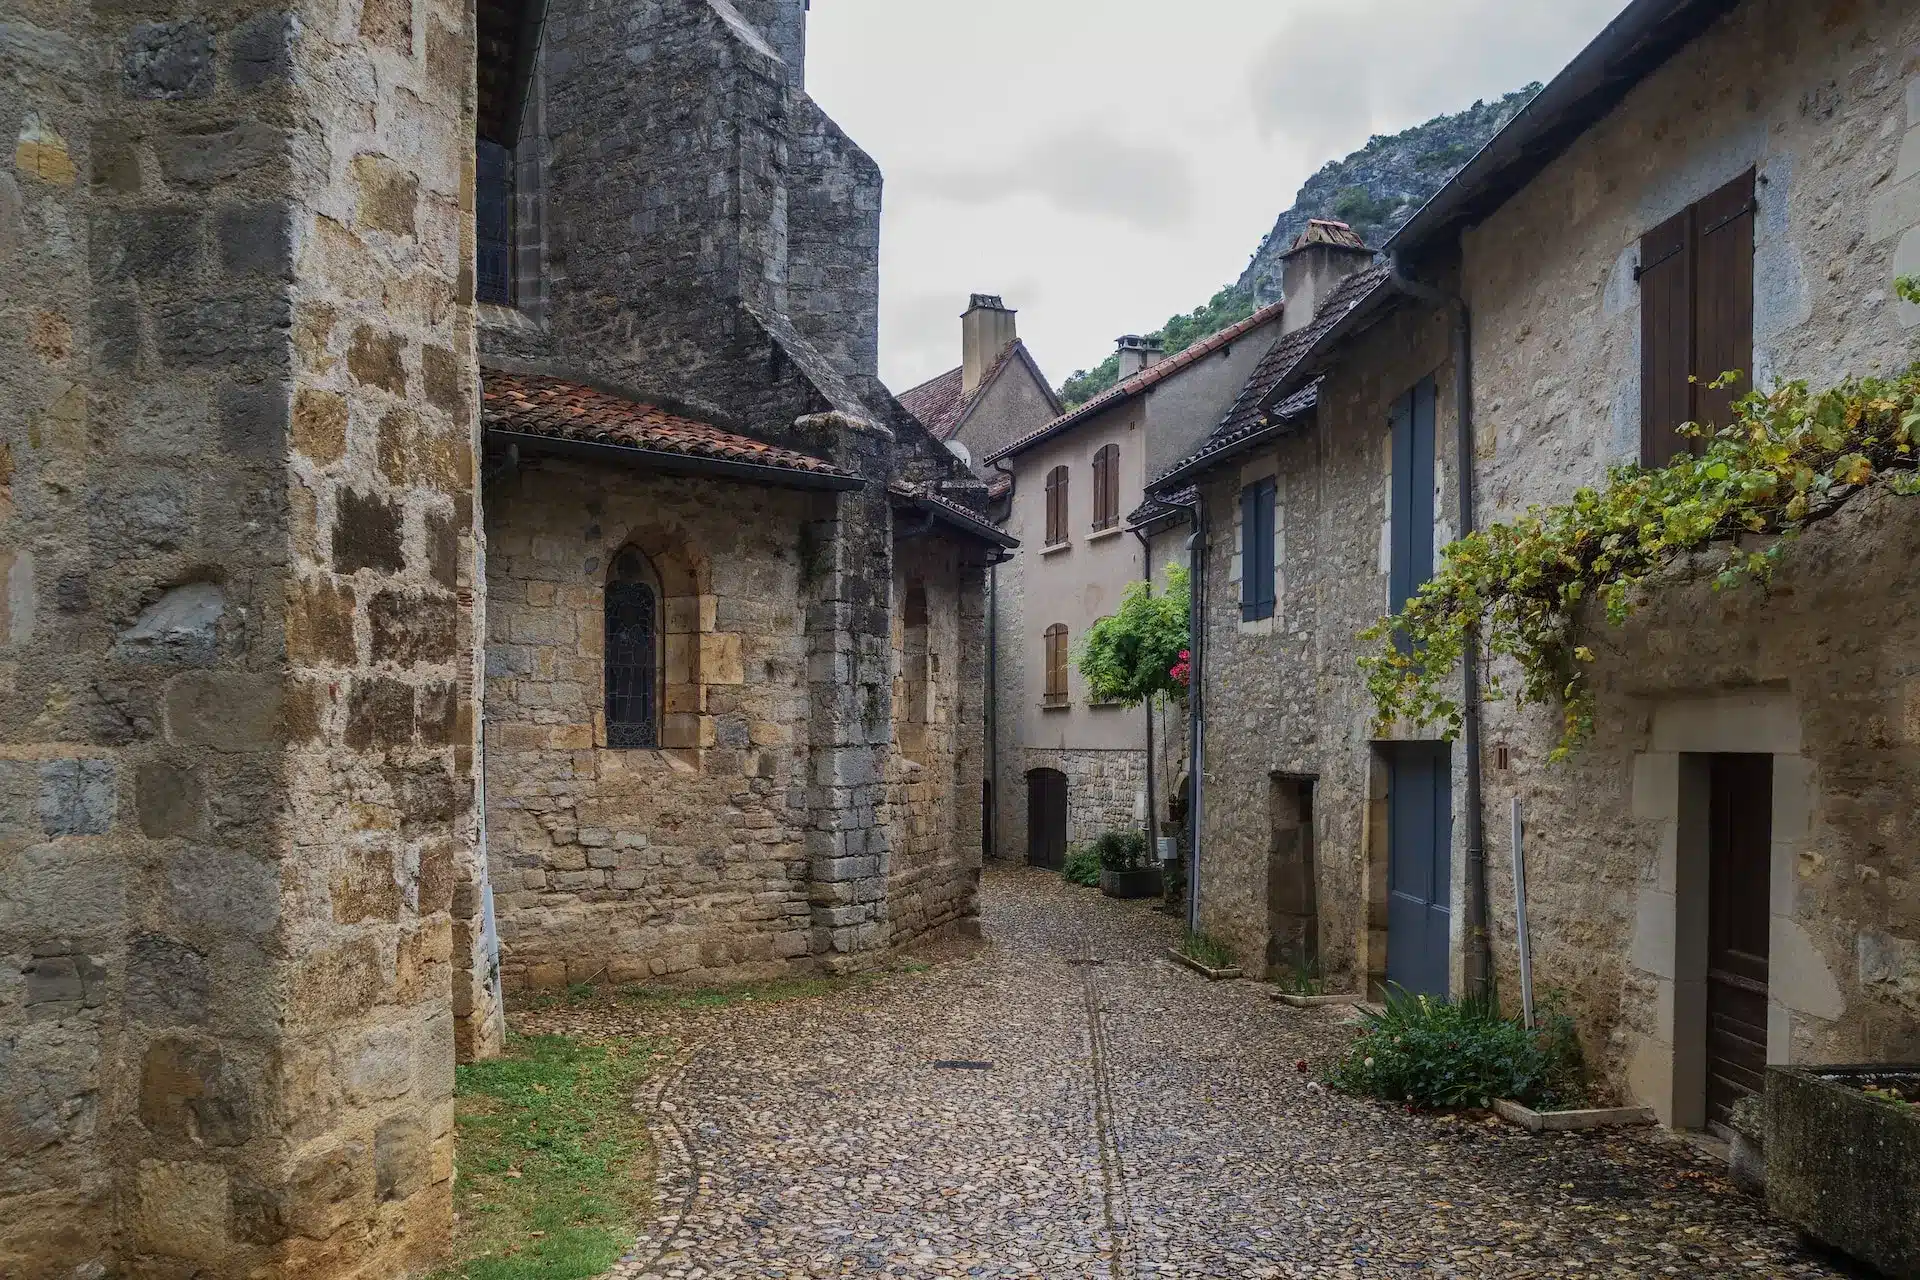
1667, 1069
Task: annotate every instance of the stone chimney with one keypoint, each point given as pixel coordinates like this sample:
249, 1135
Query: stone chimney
986, 331
1325, 254
1136, 353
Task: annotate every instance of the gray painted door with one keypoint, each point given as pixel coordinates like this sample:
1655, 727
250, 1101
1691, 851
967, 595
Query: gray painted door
1420, 862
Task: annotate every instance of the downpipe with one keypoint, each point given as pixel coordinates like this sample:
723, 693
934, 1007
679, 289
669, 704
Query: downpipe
1480, 943
1153, 812
1196, 701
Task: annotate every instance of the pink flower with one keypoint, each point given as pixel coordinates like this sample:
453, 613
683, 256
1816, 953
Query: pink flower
1182, 671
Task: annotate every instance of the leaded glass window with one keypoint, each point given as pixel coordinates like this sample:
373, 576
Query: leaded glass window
632, 653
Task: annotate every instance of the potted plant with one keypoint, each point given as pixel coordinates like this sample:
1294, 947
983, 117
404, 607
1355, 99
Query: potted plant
1843, 1159
1126, 870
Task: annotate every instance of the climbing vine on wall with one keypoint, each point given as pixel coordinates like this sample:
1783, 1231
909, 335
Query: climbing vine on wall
1788, 458
1130, 656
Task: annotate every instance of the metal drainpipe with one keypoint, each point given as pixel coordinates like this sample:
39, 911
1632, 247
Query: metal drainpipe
1153, 813
1481, 943
1196, 701
993, 672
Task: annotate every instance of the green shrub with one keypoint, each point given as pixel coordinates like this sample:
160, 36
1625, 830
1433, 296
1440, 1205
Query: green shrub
1082, 866
1121, 850
1442, 1054
1301, 980
1208, 951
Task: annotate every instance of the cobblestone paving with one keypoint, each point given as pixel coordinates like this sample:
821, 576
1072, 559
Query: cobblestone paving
1136, 1121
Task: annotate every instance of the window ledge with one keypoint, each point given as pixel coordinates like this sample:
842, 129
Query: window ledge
1101, 535
1056, 706
503, 318
1055, 548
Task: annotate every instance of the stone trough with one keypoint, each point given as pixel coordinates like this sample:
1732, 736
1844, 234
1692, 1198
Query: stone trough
1567, 1121
1212, 975
1843, 1164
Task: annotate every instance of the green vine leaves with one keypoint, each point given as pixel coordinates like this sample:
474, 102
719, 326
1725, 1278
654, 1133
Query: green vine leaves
1515, 589
1129, 656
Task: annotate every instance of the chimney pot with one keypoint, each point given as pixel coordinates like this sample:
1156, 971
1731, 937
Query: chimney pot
1321, 257
1137, 353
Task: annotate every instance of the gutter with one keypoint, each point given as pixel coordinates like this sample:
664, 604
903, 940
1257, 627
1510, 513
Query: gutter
993, 676
1480, 975
526, 442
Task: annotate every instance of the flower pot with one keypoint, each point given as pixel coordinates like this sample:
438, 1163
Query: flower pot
1844, 1166
1141, 882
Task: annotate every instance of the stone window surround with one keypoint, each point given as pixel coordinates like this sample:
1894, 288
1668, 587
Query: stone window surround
695, 653
1668, 1070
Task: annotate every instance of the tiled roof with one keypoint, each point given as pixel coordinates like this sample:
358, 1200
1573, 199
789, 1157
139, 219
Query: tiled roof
1172, 506
553, 408
951, 513
937, 402
1147, 377
1324, 231
941, 405
1247, 417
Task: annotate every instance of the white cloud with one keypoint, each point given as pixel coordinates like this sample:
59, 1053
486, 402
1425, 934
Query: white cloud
1105, 163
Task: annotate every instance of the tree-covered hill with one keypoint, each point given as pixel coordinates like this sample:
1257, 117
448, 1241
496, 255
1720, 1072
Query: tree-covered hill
1374, 191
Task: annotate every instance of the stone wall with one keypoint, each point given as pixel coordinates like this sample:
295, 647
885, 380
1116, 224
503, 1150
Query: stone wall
235, 730
620, 865
935, 772
1284, 696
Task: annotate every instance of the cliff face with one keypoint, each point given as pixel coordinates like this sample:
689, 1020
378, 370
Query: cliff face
1379, 187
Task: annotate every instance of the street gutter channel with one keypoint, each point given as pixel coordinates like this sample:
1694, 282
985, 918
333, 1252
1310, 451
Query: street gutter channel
1116, 1203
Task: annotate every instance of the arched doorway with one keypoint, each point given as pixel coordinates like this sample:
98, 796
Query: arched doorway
1047, 818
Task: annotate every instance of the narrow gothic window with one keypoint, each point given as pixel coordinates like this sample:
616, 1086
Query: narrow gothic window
493, 223
632, 652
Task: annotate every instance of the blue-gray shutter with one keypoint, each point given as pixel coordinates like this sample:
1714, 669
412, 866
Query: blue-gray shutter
1412, 512
1256, 551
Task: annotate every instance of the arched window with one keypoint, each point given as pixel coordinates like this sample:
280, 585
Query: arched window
633, 652
1056, 506
1057, 665
1106, 487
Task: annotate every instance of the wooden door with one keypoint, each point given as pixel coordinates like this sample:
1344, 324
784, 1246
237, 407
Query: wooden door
1419, 866
1739, 850
1047, 819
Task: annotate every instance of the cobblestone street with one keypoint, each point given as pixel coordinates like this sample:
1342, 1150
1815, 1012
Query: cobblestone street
1134, 1121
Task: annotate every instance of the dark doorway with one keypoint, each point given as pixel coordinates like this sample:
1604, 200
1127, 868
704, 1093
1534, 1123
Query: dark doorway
1047, 819
1739, 859
1419, 866
1293, 908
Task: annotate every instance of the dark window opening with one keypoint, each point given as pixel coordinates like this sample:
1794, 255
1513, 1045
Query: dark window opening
493, 223
632, 652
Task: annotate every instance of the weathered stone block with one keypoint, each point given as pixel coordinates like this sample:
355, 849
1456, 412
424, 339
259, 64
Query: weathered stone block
379, 713
77, 797
220, 154
187, 1093
364, 888
388, 193
180, 1210
222, 332
320, 424
169, 60
373, 358
366, 534
258, 50
255, 240
168, 982
401, 1157
227, 710
183, 626
328, 1187
320, 614
411, 628
157, 244
169, 799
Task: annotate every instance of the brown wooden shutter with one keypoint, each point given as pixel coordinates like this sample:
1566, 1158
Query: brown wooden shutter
1106, 487
1056, 655
1056, 505
1666, 338
1723, 299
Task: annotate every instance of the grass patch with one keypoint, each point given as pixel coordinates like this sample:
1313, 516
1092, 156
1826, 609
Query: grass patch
554, 1165
1208, 951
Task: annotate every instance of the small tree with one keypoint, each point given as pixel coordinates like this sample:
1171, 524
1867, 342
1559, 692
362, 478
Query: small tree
1130, 656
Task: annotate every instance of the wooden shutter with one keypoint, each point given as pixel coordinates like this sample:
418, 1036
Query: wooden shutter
1056, 655
1666, 339
1723, 300
1106, 487
1256, 551
1056, 505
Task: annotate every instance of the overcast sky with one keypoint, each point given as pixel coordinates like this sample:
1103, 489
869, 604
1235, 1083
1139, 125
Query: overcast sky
1104, 163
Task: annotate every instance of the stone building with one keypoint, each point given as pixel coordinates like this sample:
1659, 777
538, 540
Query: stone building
1068, 768
774, 757
1730, 849
245, 505
995, 395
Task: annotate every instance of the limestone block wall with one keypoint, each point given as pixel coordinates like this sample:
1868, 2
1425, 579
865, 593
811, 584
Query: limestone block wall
1284, 697
236, 402
935, 770
628, 865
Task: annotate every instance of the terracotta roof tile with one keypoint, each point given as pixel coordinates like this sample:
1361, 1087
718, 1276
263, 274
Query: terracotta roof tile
1325, 231
937, 402
534, 404
1147, 377
1246, 417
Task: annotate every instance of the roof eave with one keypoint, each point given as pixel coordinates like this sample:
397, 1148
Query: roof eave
673, 463
1645, 35
977, 527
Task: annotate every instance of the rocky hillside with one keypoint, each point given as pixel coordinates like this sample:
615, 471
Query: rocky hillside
1376, 189
1373, 190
